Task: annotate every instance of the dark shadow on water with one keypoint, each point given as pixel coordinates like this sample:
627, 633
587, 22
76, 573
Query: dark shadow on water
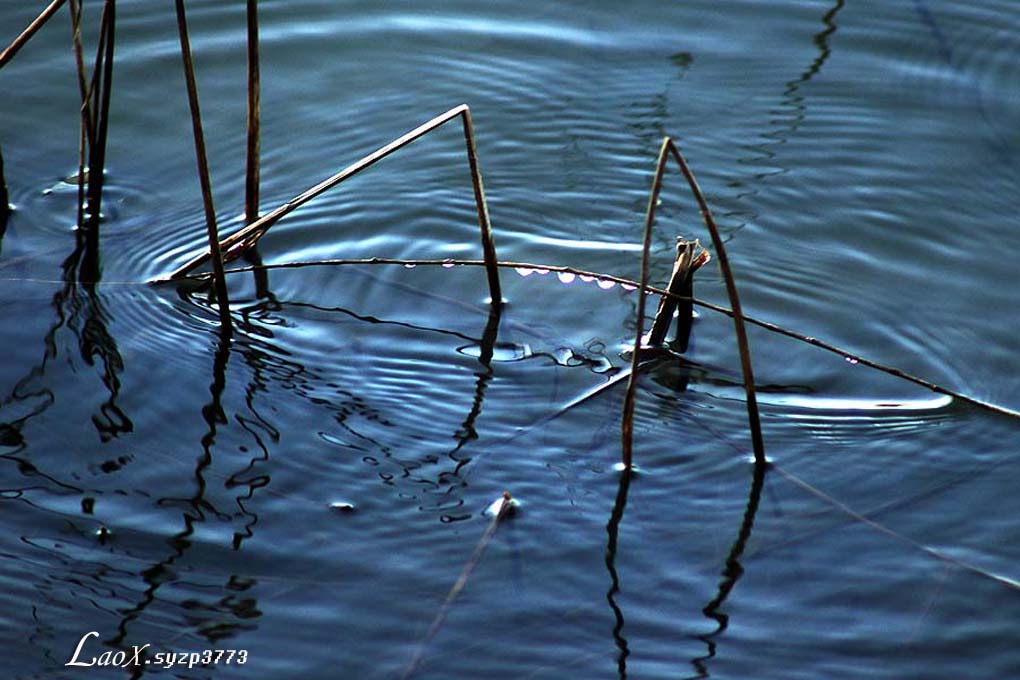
79, 308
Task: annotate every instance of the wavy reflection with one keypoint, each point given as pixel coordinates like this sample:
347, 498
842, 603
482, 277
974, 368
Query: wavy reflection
732, 571
613, 530
366, 428
79, 308
793, 100
232, 613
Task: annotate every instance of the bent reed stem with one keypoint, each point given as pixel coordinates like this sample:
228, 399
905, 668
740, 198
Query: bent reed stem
246, 237
754, 420
627, 423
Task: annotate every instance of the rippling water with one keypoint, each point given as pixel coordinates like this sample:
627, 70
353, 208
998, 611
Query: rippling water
311, 490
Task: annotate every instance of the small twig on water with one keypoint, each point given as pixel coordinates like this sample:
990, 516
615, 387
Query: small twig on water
505, 505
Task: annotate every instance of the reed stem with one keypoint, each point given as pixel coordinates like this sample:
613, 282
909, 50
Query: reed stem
11, 50
681, 282
627, 423
506, 503
251, 182
76, 8
102, 83
220, 280
247, 237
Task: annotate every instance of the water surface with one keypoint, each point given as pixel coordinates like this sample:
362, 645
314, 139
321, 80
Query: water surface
161, 486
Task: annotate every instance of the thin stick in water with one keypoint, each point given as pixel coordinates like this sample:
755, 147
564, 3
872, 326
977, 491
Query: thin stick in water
203, 167
102, 83
505, 505
76, 8
627, 423
485, 227
27, 34
251, 178
681, 282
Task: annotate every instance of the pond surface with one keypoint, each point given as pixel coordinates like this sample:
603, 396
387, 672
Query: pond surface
163, 487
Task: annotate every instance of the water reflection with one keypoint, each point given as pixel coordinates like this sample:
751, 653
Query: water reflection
613, 530
793, 100
79, 307
732, 572
367, 426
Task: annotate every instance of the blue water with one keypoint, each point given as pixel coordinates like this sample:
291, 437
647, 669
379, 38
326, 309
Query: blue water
311, 490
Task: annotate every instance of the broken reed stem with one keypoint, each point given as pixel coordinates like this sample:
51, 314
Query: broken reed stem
680, 283
203, 166
27, 34
476, 556
247, 237
738, 317
627, 423
767, 325
251, 177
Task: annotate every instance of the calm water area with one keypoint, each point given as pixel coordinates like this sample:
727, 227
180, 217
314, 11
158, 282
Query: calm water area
310, 490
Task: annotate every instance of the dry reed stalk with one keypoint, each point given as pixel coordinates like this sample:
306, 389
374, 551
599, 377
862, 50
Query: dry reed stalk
506, 503
102, 83
681, 282
86, 134
627, 423
203, 167
76, 8
247, 237
731, 291
27, 34
251, 177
